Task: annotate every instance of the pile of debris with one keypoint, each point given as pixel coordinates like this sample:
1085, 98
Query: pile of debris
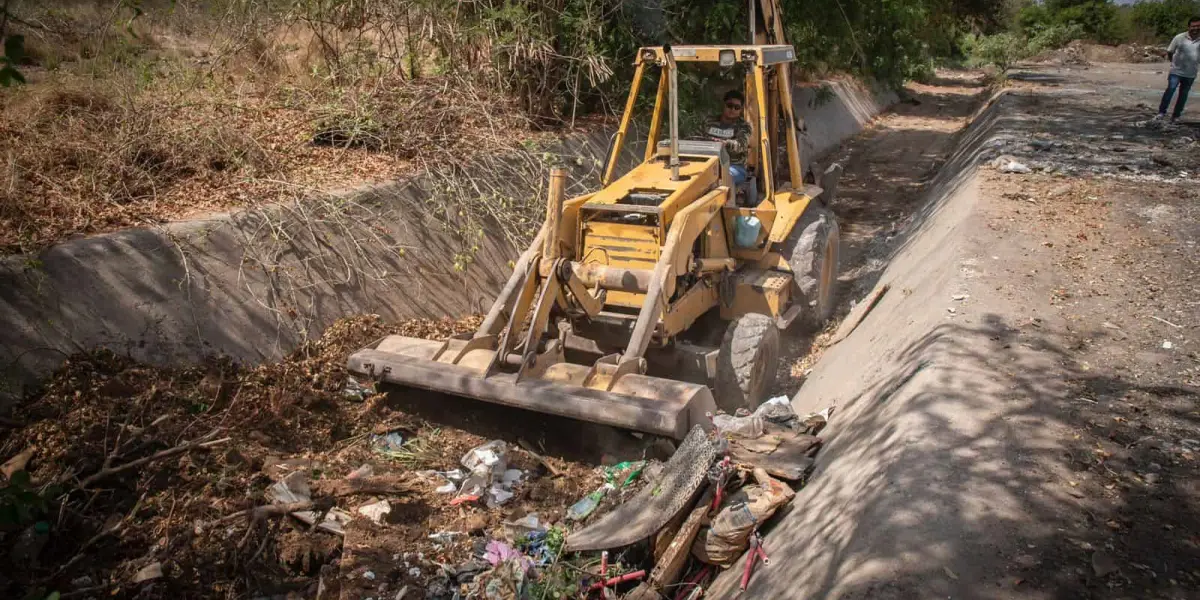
1143, 53
1082, 53
294, 480
670, 528
705, 510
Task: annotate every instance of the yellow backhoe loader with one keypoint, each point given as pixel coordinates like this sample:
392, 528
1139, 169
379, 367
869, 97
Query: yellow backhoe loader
660, 297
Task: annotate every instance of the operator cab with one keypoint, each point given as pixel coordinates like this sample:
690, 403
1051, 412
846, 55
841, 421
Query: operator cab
759, 212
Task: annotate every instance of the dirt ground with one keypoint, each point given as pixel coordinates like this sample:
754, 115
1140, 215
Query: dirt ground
1104, 241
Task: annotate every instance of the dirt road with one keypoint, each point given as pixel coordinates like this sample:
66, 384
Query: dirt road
1017, 416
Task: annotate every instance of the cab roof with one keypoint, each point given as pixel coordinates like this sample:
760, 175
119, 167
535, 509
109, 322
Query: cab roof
760, 55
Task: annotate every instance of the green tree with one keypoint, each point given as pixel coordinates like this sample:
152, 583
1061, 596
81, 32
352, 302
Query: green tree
1099, 19
14, 51
1162, 19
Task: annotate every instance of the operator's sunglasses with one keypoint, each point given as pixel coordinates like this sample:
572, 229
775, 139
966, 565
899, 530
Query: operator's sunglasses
733, 105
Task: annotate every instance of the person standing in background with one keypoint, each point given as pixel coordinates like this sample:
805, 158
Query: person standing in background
1184, 54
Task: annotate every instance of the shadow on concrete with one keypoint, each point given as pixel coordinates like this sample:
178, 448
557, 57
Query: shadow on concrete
998, 490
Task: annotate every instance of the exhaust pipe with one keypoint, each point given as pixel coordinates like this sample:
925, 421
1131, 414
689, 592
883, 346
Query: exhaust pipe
673, 74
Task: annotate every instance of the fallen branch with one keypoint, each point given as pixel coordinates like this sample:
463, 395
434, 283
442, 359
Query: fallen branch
84, 591
854, 320
1167, 322
267, 510
180, 449
541, 459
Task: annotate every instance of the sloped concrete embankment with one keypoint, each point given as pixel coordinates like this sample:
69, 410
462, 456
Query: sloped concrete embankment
255, 283
919, 491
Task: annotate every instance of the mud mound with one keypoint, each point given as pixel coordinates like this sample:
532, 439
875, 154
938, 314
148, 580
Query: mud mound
1081, 53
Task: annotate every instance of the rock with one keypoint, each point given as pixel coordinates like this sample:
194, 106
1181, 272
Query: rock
260, 437
18, 462
375, 511
328, 586
1162, 160
234, 457
1015, 167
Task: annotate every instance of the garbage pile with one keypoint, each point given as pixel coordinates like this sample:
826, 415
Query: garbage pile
1144, 53
649, 530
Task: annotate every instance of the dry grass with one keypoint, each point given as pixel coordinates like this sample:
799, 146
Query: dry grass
134, 122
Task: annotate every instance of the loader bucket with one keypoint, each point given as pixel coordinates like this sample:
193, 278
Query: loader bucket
638, 402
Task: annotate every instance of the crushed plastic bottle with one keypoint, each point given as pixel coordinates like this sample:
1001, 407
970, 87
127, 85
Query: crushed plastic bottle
622, 474
587, 505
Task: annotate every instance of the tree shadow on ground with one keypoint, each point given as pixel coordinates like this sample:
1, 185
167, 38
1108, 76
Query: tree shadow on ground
1055, 506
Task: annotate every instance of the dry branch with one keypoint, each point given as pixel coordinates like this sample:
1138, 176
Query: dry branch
180, 449
259, 513
538, 457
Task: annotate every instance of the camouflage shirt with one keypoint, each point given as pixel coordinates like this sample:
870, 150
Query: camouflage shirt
738, 131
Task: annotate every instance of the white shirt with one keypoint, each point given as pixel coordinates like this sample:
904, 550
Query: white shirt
1187, 55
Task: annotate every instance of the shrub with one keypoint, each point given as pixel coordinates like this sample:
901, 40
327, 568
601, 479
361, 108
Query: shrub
1001, 50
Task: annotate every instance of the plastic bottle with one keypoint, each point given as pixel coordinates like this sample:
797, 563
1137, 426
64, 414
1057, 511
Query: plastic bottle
586, 506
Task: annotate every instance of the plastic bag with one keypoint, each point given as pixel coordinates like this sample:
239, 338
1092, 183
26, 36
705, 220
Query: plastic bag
489, 477
491, 458
776, 410
747, 426
740, 514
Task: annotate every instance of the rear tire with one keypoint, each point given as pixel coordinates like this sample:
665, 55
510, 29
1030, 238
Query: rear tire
747, 362
811, 251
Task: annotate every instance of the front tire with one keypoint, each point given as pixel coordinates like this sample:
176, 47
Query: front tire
812, 252
747, 361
